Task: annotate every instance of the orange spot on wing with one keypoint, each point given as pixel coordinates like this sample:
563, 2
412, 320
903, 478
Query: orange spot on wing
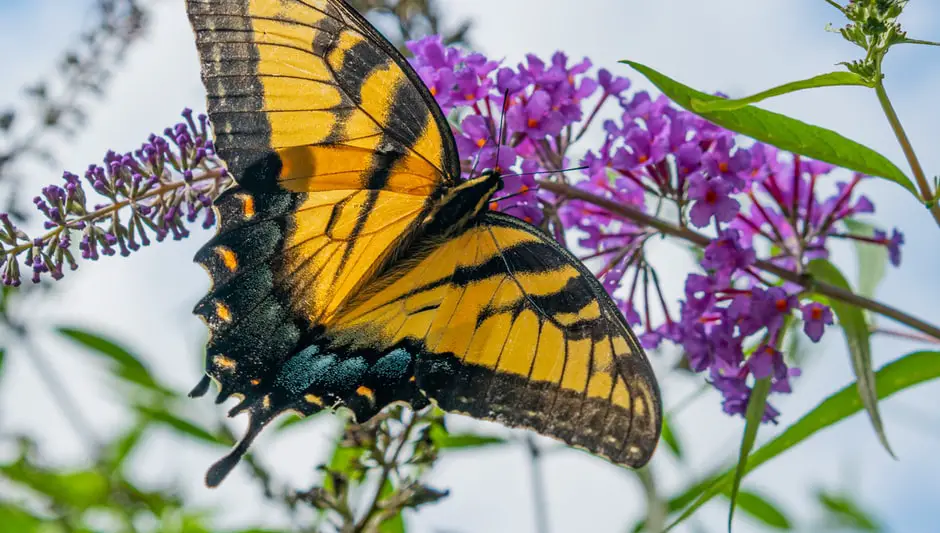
366, 392
228, 258
223, 312
224, 362
248, 205
314, 399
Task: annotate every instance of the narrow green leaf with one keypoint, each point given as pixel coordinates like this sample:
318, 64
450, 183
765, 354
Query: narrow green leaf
784, 132
918, 41
872, 259
2, 356
758, 507
76, 489
823, 80
855, 328
125, 365
842, 511
669, 437
121, 448
445, 440
753, 417
183, 426
905, 372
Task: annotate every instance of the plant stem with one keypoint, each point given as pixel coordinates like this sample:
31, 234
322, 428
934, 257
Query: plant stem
540, 502
391, 464
804, 280
905, 143
59, 392
656, 511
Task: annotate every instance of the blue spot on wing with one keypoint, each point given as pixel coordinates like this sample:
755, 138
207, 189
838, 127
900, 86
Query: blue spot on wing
303, 370
392, 366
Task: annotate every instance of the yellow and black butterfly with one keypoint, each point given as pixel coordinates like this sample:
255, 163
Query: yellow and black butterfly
354, 267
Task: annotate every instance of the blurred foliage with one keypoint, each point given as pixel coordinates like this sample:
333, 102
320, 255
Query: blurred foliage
58, 104
411, 19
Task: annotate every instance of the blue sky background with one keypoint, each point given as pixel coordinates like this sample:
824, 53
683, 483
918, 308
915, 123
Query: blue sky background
736, 46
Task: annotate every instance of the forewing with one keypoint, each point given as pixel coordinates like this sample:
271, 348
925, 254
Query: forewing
509, 326
304, 95
339, 152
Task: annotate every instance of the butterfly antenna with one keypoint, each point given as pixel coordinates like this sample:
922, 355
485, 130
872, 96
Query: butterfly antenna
513, 195
546, 171
502, 125
476, 161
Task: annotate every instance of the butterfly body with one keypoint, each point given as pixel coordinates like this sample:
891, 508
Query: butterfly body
354, 267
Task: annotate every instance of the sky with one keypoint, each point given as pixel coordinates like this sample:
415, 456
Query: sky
736, 46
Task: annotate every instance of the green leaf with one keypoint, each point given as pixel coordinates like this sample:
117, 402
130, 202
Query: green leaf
872, 258
166, 418
753, 417
783, 132
120, 449
395, 523
669, 437
758, 507
346, 461
823, 80
124, 364
842, 511
16, 520
905, 372
855, 328
78, 490
445, 440
2, 356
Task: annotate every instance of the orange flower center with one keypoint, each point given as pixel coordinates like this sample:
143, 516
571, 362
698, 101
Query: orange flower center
816, 313
781, 304
533, 122
723, 166
494, 206
480, 143
468, 97
711, 197
433, 91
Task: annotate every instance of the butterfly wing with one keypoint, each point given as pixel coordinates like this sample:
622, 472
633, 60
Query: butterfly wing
507, 325
339, 152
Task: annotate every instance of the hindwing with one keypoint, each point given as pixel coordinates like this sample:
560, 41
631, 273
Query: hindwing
507, 325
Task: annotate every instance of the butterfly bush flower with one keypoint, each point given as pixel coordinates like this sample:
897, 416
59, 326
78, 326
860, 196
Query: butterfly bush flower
754, 203
756, 206
151, 193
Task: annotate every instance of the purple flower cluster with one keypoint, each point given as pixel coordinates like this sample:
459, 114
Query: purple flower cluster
154, 191
543, 104
756, 204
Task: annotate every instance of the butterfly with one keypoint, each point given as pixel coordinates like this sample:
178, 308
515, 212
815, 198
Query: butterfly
354, 267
